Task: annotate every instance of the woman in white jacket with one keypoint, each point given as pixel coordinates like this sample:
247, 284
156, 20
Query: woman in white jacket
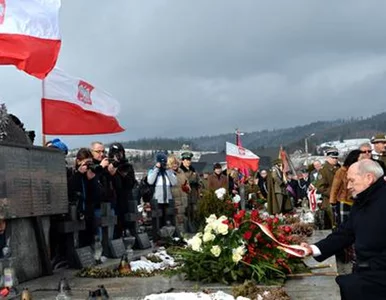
163, 179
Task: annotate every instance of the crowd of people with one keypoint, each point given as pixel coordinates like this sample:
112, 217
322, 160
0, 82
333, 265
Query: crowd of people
343, 188
99, 175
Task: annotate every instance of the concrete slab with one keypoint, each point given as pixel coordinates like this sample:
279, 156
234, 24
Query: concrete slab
45, 288
317, 287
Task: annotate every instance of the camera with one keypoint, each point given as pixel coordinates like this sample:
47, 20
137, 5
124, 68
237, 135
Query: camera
95, 168
117, 155
162, 159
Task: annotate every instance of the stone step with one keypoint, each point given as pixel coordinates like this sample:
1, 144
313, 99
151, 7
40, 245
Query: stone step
316, 287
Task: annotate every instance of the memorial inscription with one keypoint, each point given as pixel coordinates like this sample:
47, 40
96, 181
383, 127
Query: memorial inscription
34, 181
85, 257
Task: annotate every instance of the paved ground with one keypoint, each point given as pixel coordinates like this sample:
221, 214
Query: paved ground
45, 288
316, 287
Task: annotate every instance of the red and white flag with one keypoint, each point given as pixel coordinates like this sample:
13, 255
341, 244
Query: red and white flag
241, 158
312, 198
29, 35
72, 106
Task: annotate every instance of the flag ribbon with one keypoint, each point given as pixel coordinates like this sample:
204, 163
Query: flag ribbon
295, 250
312, 199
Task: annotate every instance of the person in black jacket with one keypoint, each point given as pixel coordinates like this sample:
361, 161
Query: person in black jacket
104, 170
82, 188
123, 179
366, 229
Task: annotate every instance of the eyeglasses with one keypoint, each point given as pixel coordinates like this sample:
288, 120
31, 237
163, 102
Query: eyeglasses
366, 151
334, 157
99, 151
186, 158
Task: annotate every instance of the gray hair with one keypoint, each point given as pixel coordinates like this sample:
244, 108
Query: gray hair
369, 166
93, 144
367, 145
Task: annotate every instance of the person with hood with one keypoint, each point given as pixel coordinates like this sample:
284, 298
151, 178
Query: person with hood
163, 179
123, 179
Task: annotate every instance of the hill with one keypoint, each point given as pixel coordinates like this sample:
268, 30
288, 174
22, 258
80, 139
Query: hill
267, 142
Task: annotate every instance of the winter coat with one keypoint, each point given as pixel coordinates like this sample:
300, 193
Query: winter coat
279, 183
180, 199
324, 183
366, 229
216, 182
163, 179
339, 191
194, 183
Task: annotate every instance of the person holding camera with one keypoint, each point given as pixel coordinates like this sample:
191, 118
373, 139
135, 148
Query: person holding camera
104, 170
123, 177
163, 179
82, 188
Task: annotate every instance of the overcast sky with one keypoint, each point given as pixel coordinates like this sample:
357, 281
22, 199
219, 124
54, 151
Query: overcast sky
197, 67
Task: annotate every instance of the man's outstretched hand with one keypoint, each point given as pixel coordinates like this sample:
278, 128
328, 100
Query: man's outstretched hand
309, 249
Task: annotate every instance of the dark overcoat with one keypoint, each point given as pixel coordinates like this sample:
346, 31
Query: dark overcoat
366, 229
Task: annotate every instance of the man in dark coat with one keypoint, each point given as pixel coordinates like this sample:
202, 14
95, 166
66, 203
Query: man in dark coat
366, 228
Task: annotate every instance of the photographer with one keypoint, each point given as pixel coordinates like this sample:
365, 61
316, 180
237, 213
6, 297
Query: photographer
163, 179
104, 170
83, 187
123, 182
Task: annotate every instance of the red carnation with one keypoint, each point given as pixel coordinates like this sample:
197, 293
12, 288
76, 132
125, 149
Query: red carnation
275, 220
247, 235
254, 214
252, 227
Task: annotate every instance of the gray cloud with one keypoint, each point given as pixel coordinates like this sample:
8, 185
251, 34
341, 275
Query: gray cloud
181, 67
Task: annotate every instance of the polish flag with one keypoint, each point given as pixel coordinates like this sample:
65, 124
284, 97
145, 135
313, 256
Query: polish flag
29, 35
241, 158
72, 106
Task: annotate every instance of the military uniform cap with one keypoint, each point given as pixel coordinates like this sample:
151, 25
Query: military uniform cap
378, 138
332, 152
186, 155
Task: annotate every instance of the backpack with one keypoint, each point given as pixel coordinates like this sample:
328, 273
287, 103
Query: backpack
146, 190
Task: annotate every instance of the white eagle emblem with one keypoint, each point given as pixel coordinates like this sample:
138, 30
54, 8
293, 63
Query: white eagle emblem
241, 151
84, 92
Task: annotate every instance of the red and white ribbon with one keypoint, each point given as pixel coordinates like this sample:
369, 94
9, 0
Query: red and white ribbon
312, 199
290, 249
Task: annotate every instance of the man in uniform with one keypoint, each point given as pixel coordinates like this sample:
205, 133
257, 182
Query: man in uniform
278, 200
379, 143
367, 153
323, 186
194, 183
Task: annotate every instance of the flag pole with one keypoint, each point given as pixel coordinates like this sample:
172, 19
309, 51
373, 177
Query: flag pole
41, 106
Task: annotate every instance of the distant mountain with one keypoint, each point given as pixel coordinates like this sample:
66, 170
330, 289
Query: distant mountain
267, 142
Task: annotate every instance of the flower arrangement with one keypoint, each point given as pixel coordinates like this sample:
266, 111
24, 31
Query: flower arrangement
237, 249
